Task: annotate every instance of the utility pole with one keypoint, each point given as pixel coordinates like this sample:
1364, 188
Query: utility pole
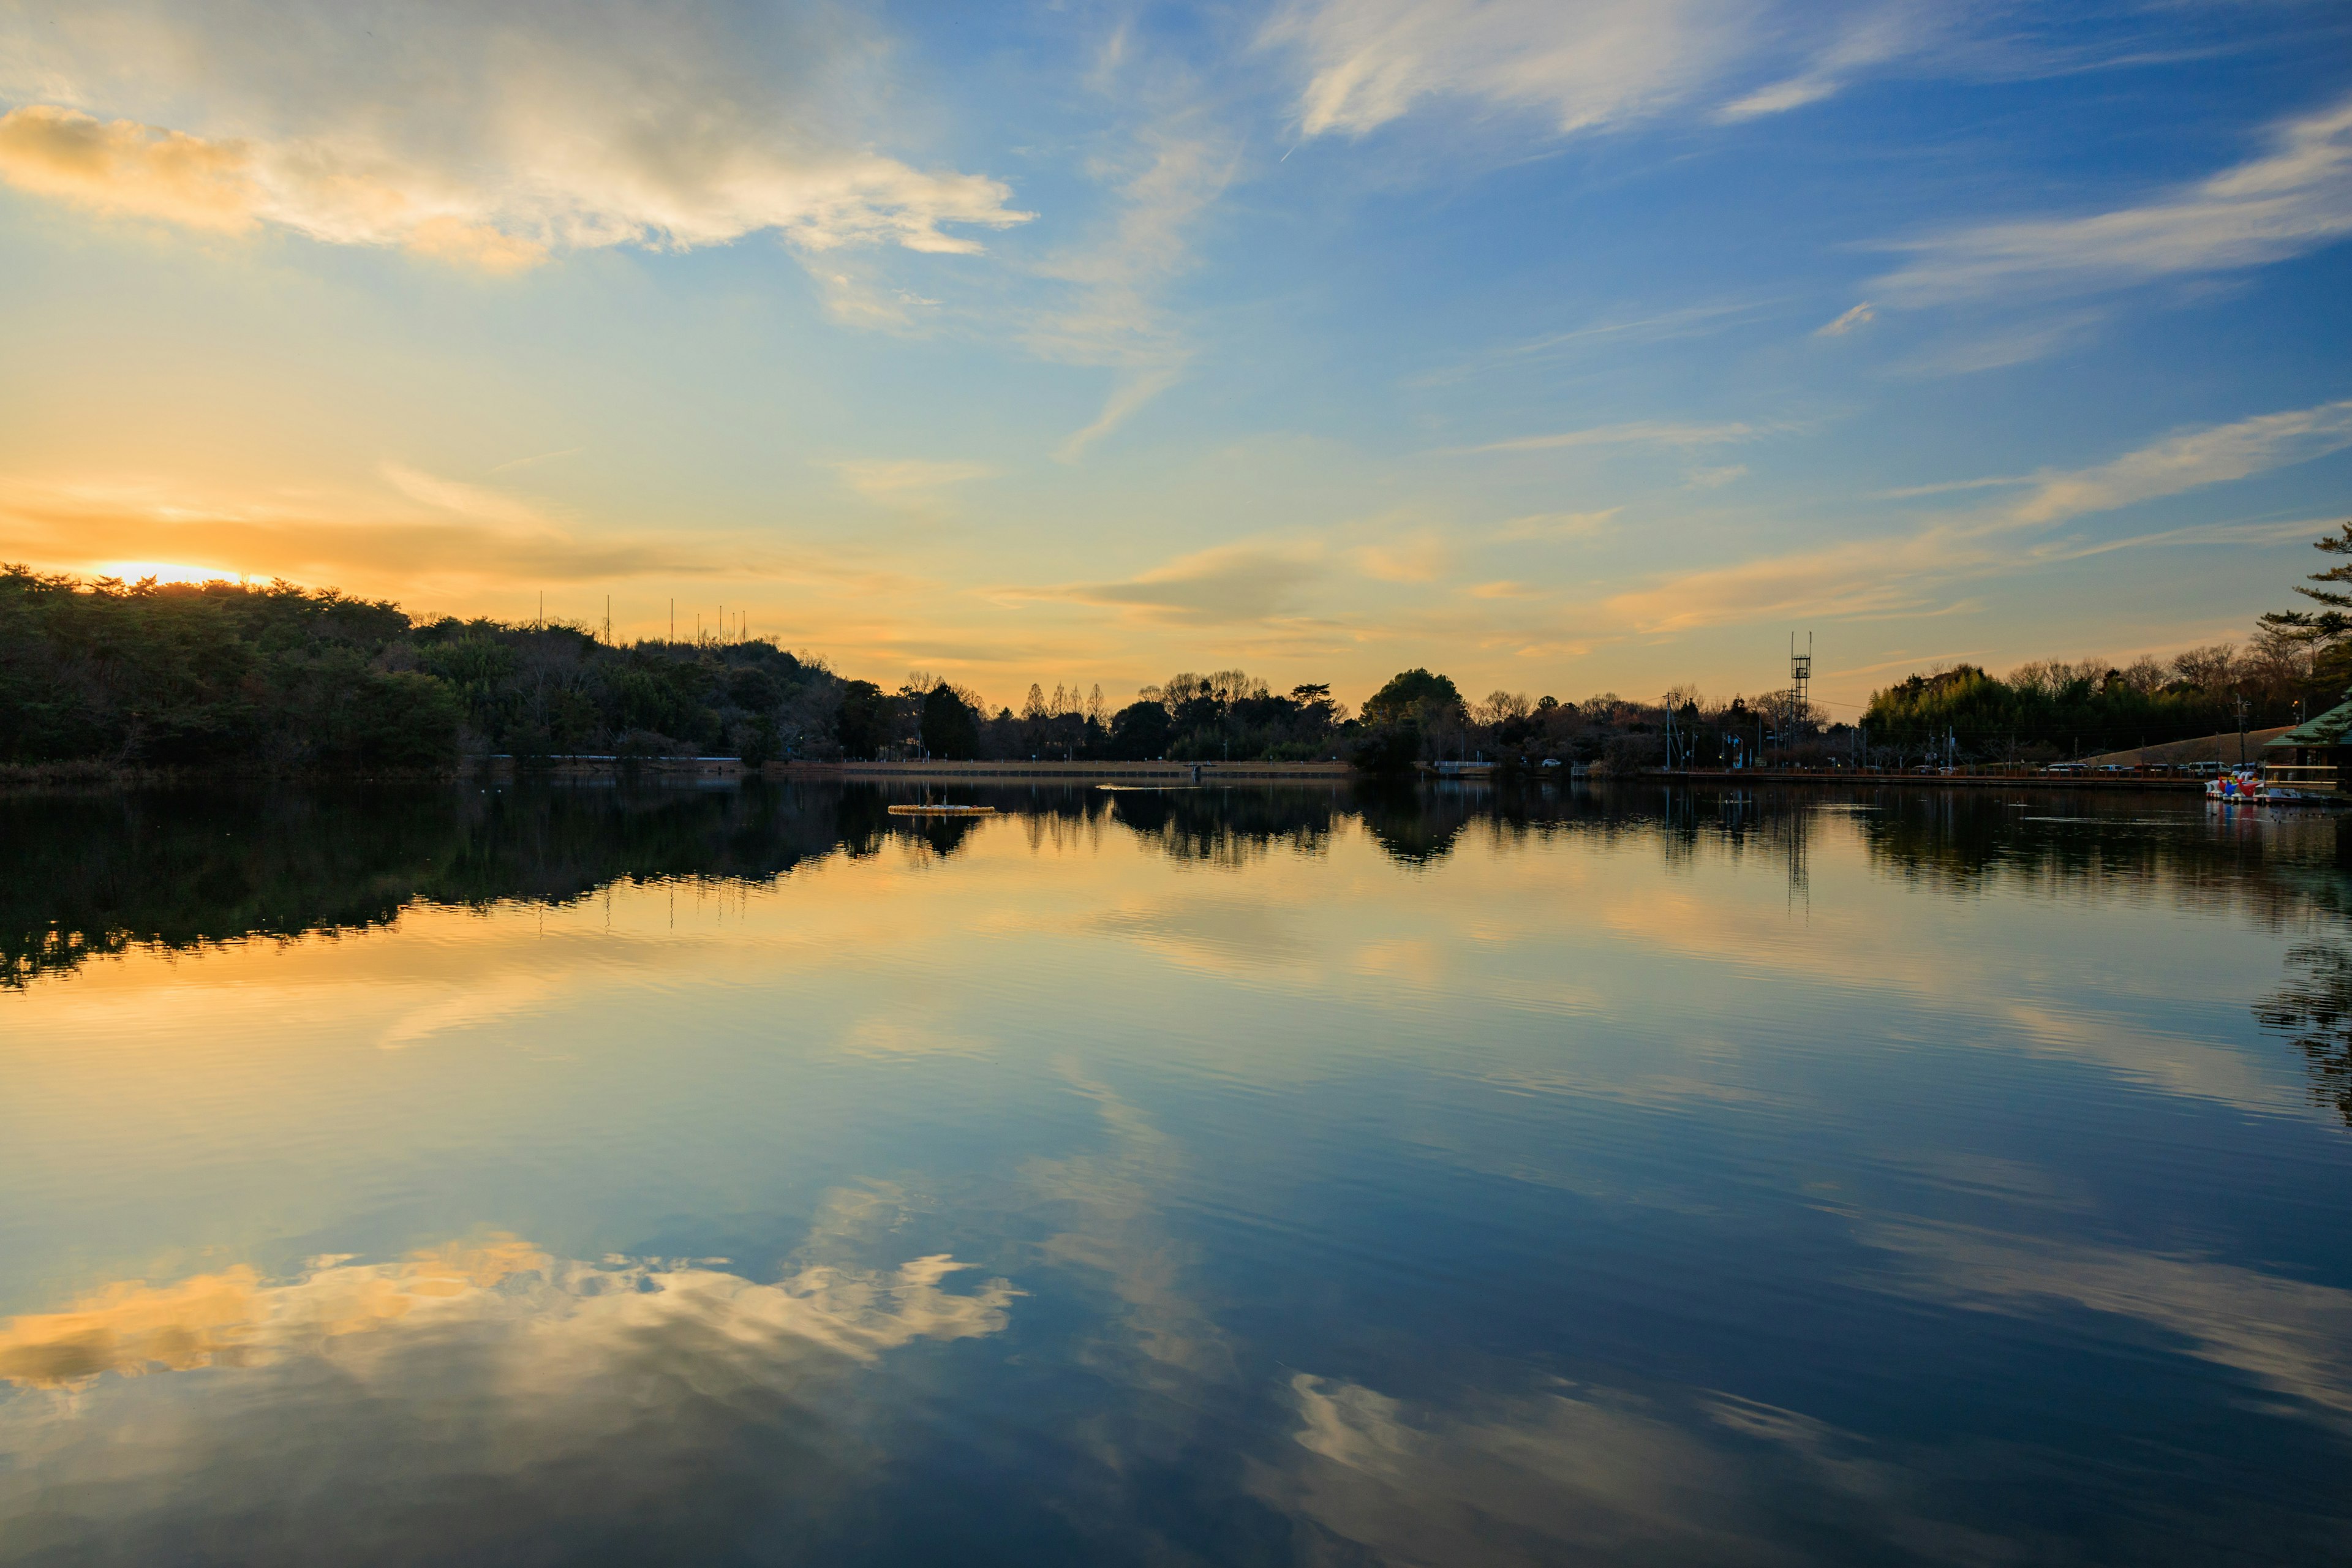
2242, 730
1800, 675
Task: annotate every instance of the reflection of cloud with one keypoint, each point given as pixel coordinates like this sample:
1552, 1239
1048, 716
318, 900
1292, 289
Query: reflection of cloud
501, 995
926, 1034
1110, 1204
232, 1319
1574, 1476
541, 1405
1220, 936
2287, 1335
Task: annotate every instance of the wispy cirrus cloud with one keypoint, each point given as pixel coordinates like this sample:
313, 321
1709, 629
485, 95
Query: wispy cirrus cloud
877, 479
1638, 433
1580, 66
1907, 573
1225, 585
416, 533
489, 139
1113, 314
1860, 315
1556, 525
2293, 199
477, 501
2188, 460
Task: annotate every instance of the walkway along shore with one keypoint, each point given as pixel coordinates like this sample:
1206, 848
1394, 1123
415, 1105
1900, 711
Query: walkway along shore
1926, 781
716, 768
1066, 773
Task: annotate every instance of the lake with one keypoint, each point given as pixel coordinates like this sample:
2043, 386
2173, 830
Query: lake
551, 1174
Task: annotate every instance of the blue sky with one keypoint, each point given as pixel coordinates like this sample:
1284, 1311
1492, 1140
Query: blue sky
1562, 347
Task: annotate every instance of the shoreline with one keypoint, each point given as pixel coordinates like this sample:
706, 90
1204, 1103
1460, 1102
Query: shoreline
1926, 781
732, 770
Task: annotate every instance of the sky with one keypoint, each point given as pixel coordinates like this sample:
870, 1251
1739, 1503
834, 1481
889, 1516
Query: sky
1560, 346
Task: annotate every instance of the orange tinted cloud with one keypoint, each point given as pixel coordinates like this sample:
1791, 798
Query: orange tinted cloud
123, 167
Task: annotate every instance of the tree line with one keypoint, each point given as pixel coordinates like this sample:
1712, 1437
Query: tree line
2296, 664
286, 678
282, 679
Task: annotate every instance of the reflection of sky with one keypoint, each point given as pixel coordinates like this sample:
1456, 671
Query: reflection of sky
1574, 1187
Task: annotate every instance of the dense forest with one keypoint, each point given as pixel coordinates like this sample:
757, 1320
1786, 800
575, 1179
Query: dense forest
285, 680
2053, 708
2297, 664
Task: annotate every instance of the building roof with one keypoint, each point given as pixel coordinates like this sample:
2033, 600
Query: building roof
2330, 729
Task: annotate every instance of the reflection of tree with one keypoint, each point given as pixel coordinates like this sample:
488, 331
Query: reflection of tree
91, 875
1415, 825
2314, 1009
2271, 867
1229, 826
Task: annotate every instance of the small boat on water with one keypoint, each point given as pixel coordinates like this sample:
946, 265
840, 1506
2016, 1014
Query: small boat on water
2306, 767
942, 809
2238, 787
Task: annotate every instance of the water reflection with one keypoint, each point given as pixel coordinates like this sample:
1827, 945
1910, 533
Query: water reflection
2314, 1009
475, 1401
1330, 1175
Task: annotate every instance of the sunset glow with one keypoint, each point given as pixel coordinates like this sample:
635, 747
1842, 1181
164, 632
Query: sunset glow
163, 571
1567, 348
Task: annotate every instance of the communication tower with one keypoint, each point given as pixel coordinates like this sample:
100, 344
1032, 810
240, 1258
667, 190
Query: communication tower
1800, 675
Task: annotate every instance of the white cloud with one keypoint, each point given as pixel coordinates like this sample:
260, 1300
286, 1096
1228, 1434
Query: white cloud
2186, 462
1581, 64
1112, 315
1859, 316
1132, 390
1556, 525
1372, 61
2295, 198
475, 137
475, 502
1874, 38
1641, 433
1211, 587
877, 478
1777, 98
1905, 574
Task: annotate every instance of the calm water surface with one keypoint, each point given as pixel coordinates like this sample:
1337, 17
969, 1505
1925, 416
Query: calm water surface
572, 1176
